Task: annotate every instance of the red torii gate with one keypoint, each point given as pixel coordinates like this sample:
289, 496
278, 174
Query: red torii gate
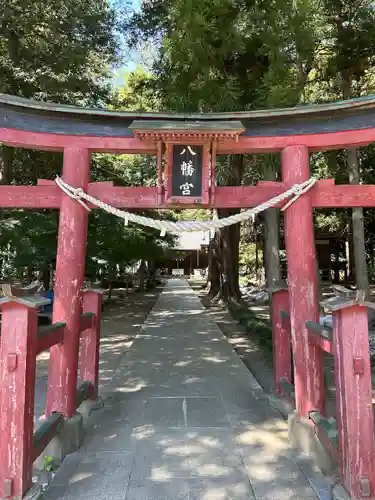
292, 132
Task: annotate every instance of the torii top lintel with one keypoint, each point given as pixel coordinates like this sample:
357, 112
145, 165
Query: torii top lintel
199, 130
34, 124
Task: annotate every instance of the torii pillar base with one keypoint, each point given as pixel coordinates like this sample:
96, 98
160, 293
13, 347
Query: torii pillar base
302, 435
69, 439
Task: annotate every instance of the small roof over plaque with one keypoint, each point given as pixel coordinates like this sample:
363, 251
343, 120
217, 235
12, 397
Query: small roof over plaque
169, 130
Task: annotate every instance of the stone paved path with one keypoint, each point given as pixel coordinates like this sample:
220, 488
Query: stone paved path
184, 420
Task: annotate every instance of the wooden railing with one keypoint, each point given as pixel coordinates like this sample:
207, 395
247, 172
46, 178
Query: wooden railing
326, 428
21, 342
281, 339
321, 336
354, 413
350, 437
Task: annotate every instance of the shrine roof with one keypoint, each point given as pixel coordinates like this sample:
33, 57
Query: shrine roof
45, 117
352, 104
186, 126
192, 240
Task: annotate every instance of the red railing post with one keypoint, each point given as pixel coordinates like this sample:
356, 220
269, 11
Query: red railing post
281, 341
18, 348
354, 412
90, 340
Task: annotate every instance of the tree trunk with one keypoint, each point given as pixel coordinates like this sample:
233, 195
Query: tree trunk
111, 278
110, 288
6, 164
152, 272
257, 278
358, 226
337, 262
142, 273
348, 257
229, 237
359, 247
214, 266
271, 236
229, 286
224, 262
30, 271
46, 275
6, 170
234, 244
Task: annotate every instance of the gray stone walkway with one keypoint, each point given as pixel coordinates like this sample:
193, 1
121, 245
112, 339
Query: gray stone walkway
184, 420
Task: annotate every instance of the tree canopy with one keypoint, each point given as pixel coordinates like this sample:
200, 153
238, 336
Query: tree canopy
244, 54
64, 52
221, 55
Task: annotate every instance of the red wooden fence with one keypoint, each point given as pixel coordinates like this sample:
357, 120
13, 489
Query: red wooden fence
21, 342
281, 346
349, 437
354, 413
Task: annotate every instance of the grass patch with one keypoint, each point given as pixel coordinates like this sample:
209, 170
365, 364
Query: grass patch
259, 329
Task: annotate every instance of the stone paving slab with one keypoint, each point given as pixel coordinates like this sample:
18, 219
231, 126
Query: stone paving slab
183, 419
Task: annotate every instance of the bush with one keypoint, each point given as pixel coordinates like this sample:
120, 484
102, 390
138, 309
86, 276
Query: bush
259, 330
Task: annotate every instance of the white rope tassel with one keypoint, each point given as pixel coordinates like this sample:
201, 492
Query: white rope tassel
165, 226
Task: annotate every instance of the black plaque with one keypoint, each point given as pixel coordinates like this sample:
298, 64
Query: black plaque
187, 171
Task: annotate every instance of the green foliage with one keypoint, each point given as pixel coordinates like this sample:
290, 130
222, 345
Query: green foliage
352, 38
228, 55
247, 257
211, 55
57, 50
49, 464
193, 214
259, 329
137, 94
28, 240
84, 36
125, 170
110, 244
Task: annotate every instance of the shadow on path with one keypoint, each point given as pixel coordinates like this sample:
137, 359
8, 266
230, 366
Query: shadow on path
184, 419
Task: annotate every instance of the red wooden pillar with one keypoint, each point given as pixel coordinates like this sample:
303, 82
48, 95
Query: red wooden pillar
90, 341
70, 265
303, 284
355, 418
19, 330
282, 358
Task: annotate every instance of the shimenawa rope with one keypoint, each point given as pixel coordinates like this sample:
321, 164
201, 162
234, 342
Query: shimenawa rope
165, 226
